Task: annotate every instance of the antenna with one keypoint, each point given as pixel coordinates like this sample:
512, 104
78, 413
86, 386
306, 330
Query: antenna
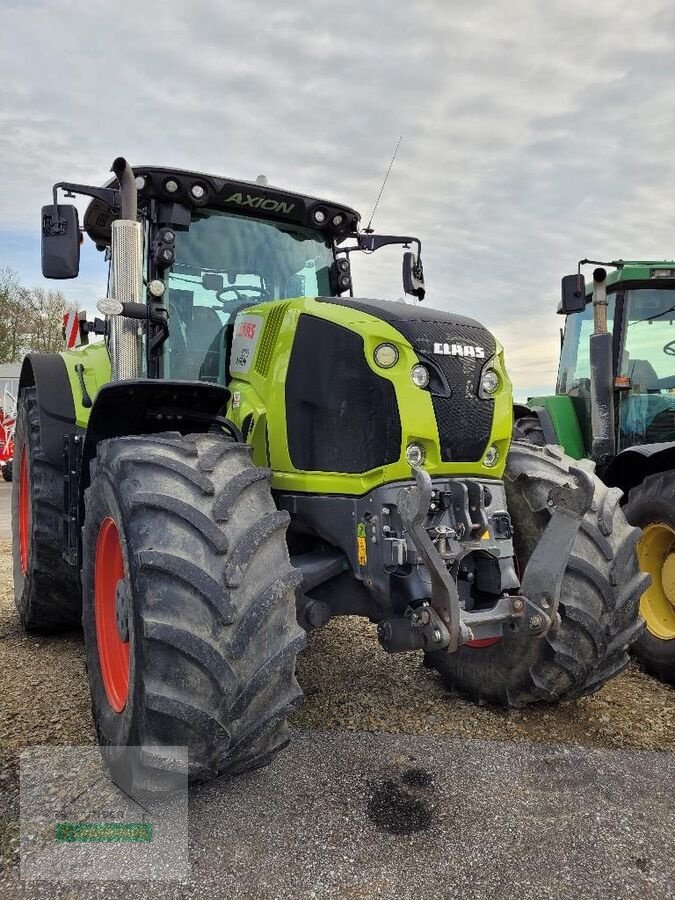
369, 230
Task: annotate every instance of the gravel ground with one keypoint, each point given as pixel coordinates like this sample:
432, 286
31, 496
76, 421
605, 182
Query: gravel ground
349, 683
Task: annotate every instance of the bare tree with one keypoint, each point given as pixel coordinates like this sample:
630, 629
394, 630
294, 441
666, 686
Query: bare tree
30, 318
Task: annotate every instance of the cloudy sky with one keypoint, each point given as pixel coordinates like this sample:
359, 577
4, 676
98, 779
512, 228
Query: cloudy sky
535, 132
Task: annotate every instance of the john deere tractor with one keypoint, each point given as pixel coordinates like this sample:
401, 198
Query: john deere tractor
615, 403
251, 450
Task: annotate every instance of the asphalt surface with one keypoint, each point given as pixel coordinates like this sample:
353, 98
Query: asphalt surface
5, 506
354, 815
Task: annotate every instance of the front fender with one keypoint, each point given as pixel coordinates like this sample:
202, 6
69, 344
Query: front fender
631, 466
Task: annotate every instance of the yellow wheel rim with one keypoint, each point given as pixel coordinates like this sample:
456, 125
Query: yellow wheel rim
656, 554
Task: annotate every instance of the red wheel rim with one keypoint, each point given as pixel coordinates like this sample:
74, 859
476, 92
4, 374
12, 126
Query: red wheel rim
24, 511
113, 652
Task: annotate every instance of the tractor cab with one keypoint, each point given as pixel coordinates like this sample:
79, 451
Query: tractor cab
212, 247
641, 320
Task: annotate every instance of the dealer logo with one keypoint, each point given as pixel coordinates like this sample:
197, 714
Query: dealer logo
469, 350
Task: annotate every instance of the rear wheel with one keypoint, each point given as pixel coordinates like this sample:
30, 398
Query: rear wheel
189, 609
651, 506
7, 471
46, 588
598, 604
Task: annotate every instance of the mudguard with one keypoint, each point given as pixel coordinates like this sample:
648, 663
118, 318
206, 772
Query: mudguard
48, 373
632, 465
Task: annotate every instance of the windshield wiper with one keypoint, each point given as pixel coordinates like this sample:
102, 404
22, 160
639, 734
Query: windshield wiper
655, 316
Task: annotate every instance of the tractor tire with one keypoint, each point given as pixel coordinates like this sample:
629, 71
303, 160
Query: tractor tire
188, 609
528, 429
7, 471
598, 603
46, 588
651, 506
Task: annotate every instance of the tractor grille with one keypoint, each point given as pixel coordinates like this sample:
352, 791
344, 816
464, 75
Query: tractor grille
464, 420
341, 416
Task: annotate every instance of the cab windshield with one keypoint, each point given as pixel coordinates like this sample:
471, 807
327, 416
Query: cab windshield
226, 263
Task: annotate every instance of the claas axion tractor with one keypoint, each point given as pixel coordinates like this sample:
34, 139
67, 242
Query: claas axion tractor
615, 403
252, 450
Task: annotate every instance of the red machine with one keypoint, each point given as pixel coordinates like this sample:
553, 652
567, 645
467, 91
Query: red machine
7, 425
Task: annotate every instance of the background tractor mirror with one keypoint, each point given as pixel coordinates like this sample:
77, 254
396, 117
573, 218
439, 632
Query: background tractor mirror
573, 294
413, 275
60, 241
212, 282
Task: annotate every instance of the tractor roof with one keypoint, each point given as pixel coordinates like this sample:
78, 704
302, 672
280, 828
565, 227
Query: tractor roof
197, 189
659, 271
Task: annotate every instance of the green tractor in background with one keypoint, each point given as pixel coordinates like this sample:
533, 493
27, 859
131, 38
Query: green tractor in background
252, 450
615, 403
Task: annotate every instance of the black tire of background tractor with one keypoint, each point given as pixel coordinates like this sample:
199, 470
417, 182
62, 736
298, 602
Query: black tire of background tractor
598, 604
7, 471
653, 502
528, 429
213, 631
47, 595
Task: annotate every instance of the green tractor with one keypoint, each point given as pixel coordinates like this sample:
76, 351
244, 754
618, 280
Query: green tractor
252, 450
615, 404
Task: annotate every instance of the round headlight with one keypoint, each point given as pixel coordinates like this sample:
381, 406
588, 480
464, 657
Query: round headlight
156, 287
420, 375
140, 182
491, 458
489, 381
171, 186
198, 191
319, 216
414, 453
385, 355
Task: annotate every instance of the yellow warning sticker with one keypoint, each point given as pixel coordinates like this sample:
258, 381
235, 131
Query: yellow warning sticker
361, 553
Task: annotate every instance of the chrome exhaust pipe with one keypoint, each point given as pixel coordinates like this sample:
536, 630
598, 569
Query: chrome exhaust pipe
126, 278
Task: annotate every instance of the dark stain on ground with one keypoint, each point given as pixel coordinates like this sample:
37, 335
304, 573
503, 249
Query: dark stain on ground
417, 778
396, 806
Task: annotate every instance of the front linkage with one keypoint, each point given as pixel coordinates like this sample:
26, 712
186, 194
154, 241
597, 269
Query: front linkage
442, 622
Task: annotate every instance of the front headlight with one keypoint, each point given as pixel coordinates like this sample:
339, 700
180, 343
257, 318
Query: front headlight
419, 375
414, 453
489, 382
386, 356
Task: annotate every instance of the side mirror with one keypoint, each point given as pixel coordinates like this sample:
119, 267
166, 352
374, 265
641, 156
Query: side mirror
413, 275
573, 294
60, 241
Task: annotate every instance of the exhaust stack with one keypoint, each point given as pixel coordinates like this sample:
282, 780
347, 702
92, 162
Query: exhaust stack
126, 283
602, 393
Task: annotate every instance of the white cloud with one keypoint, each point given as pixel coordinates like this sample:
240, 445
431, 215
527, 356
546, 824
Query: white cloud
534, 133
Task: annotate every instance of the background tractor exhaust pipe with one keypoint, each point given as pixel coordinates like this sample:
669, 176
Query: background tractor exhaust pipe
126, 281
602, 379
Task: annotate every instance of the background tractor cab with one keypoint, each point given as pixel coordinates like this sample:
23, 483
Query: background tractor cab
615, 403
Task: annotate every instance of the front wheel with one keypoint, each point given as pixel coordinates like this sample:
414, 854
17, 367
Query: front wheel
598, 603
651, 506
188, 608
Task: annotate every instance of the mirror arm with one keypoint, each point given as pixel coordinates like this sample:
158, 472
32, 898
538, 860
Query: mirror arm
372, 242
109, 196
